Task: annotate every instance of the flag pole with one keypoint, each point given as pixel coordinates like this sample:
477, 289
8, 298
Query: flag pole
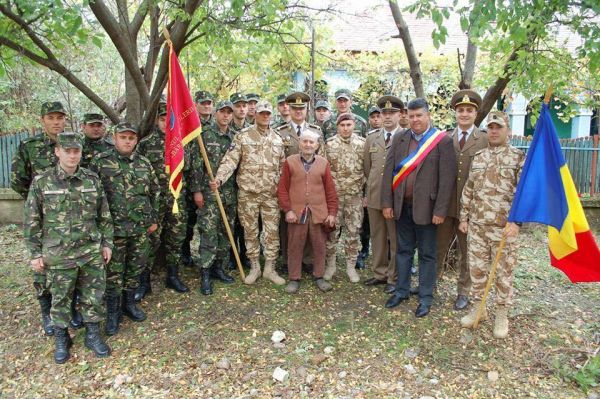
217, 195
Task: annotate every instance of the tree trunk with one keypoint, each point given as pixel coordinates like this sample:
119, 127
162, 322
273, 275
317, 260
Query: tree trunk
468, 72
413, 60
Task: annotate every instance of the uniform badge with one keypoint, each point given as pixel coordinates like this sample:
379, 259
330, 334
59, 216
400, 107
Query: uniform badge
466, 99
388, 105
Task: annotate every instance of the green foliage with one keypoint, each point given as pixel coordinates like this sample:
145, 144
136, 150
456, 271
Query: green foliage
586, 377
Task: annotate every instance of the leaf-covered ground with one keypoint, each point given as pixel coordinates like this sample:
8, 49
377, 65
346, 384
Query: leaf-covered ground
342, 344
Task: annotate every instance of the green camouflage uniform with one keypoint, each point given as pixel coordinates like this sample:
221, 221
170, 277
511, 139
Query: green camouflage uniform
67, 222
93, 148
214, 243
171, 227
133, 198
236, 129
330, 126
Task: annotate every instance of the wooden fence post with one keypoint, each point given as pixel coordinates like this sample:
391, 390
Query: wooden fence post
594, 164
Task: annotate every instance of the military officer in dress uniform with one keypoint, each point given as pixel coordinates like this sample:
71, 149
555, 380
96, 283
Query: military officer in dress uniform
468, 140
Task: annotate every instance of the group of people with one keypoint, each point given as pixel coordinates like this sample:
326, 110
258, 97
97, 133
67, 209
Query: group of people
99, 216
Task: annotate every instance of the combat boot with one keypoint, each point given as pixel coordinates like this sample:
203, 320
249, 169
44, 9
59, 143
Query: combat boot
173, 280
270, 274
206, 287
351, 271
216, 271
468, 320
501, 322
254, 272
62, 343
93, 340
76, 320
130, 308
330, 267
112, 314
145, 286
45, 305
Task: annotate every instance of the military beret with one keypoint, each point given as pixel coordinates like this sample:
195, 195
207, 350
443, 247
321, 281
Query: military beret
347, 116
69, 139
323, 104
238, 98
281, 98
52, 106
264, 106
93, 118
343, 93
298, 99
202, 96
391, 103
373, 109
253, 97
498, 117
162, 109
466, 97
125, 127
224, 104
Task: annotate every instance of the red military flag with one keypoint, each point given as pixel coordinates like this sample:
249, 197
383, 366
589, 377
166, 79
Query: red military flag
183, 124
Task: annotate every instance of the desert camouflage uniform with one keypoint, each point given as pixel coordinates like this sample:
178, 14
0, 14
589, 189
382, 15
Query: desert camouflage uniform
67, 222
485, 204
34, 156
361, 127
260, 157
92, 148
171, 226
346, 159
133, 198
214, 243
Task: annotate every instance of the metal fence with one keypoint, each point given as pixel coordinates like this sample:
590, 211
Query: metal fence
581, 155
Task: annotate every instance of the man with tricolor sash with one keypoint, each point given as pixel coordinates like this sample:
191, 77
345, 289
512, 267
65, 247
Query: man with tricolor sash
418, 179
485, 205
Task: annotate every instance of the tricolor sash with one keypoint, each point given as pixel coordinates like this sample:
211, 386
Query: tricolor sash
408, 164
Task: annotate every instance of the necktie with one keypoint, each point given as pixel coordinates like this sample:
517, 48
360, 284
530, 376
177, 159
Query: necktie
299, 130
388, 135
462, 140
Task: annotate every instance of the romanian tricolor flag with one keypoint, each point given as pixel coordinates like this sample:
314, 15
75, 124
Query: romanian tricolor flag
183, 124
546, 194
408, 164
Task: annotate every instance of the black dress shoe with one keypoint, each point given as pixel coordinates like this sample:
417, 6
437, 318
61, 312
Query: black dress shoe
390, 289
394, 301
374, 281
422, 310
462, 301
414, 290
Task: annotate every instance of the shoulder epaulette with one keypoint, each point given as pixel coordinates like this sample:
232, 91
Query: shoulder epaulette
480, 151
373, 131
104, 154
285, 125
316, 127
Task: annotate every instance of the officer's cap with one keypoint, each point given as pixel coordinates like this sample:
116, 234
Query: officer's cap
298, 99
343, 93
93, 118
69, 140
202, 96
390, 103
224, 104
264, 106
125, 127
373, 109
497, 117
466, 97
238, 98
52, 106
323, 104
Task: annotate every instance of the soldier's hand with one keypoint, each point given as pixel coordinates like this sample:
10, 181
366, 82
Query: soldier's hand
511, 230
152, 228
330, 221
437, 219
388, 213
463, 227
37, 264
106, 254
291, 217
199, 200
214, 185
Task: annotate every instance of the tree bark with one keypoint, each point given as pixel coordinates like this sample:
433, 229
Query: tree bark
413, 60
468, 71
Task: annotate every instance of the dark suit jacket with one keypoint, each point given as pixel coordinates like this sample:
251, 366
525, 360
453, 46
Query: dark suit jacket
436, 177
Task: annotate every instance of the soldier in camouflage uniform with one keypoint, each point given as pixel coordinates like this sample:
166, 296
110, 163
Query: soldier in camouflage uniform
133, 198
283, 112
345, 155
343, 103
214, 243
322, 112
485, 204
258, 152
68, 230
240, 110
166, 241
253, 99
95, 142
375, 121
34, 156
204, 105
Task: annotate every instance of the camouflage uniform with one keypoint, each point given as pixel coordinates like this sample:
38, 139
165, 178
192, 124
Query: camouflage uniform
260, 157
346, 159
485, 204
236, 129
92, 148
330, 126
214, 243
133, 198
67, 222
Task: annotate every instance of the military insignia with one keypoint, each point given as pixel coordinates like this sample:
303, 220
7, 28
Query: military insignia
298, 100
373, 149
466, 99
388, 104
